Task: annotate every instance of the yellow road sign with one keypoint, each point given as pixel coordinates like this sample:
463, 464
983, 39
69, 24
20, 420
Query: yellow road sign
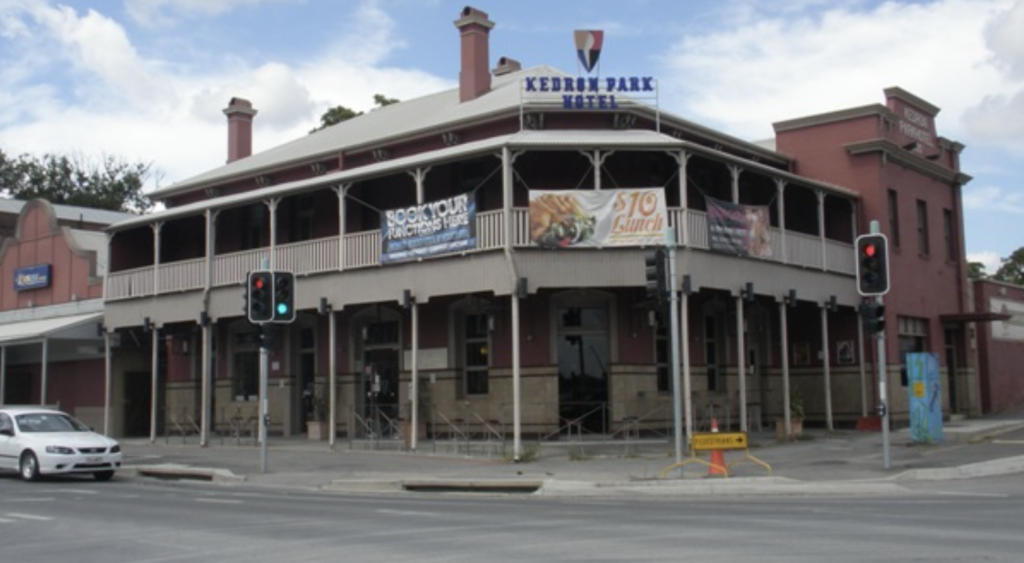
720, 441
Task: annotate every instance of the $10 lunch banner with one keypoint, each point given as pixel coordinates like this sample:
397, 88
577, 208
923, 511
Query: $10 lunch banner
627, 217
429, 229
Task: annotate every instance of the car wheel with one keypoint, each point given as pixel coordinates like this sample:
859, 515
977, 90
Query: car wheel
29, 466
103, 475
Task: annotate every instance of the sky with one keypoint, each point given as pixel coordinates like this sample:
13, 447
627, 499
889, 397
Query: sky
147, 80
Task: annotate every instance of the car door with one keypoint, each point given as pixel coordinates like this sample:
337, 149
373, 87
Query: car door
8, 453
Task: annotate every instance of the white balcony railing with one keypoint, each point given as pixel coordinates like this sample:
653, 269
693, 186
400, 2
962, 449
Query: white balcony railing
363, 249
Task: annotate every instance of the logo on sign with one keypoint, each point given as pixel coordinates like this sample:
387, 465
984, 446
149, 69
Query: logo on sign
588, 47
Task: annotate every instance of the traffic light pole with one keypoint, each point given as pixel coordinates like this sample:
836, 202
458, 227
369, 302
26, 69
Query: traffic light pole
883, 398
264, 403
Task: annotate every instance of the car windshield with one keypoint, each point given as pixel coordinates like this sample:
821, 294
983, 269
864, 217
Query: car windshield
49, 422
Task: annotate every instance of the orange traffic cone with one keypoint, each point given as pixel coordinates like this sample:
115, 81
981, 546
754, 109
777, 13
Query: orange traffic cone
717, 466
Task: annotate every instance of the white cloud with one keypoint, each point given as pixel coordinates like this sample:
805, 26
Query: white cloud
993, 198
85, 87
779, 66
159, 12
990, 260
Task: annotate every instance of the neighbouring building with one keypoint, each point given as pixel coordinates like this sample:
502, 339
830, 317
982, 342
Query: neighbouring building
52, 347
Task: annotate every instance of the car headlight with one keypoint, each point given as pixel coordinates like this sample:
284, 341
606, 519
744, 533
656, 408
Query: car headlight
63, 450
116, 449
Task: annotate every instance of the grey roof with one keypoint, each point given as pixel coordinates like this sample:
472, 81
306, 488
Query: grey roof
70, 212
95, 241
411, 118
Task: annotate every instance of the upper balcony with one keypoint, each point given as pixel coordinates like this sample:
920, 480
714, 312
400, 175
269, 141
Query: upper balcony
362, 250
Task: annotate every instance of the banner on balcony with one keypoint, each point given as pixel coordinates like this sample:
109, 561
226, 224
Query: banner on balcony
742, 230
438, 227
626, 217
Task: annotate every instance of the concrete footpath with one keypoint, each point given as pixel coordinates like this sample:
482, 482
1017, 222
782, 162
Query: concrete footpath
823, 462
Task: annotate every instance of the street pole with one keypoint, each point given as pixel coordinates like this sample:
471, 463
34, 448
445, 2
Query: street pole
677, 409
882, 393
264, 403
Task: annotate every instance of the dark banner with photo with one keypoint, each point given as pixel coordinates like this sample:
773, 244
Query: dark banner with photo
587, 218
429, 229
740, 230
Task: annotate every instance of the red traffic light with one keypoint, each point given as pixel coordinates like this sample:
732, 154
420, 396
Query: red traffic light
258, 282
869, 250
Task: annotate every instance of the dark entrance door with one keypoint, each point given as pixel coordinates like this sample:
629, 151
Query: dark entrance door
138, 387
18, 388
583, 368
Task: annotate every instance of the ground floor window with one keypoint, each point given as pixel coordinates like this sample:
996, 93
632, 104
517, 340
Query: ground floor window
475, 353
245, 378
913, 337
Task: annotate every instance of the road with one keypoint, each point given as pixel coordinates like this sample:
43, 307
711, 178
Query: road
141, 521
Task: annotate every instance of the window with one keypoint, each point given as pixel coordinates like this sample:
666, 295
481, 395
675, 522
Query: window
246, 378
661, 354
475, 353
947, 232
711, 352
922, 227
894, 219
302, 218
913, 337
256, 228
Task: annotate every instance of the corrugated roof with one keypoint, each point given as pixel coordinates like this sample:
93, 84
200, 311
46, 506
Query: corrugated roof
70, 212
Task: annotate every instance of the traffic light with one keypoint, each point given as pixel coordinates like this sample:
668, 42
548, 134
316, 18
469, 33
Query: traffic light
872, 317
656, 272
260, 300
284, 297
872, 265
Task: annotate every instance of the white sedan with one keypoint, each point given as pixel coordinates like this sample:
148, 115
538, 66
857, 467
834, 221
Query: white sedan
37, 441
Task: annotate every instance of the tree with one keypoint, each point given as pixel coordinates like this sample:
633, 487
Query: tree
976, 271
113, 183
337, 114
1012, 268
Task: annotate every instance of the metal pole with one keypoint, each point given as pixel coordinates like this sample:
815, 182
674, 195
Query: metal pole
264, 404
517, 422
826, 361
332, 378
107, 383
205, 376
415, 390
154, 343
677, 408
882, 393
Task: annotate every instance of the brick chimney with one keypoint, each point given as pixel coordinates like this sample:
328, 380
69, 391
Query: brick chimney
240, 114
474, 75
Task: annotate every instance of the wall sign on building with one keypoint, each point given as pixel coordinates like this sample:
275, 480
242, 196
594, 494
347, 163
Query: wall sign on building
438, 227
32, 277
626, 217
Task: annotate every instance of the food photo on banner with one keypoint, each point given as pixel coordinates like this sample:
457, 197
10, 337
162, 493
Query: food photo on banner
429, 229
740, 230
585, 218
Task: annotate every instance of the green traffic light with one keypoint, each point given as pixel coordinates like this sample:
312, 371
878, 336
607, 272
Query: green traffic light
282, 308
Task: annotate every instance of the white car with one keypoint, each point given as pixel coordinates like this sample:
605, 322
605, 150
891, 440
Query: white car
37, 441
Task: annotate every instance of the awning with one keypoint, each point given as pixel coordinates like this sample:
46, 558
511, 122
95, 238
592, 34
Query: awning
72, 327
979, 317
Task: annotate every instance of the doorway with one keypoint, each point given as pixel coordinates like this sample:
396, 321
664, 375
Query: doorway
138, 387
379, 384
582, 349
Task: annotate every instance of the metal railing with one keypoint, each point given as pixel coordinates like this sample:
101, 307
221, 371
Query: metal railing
363, 249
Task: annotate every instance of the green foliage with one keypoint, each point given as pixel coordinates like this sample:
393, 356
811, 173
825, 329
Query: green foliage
796, 404
976, 271
113, 183
337, 114
1012, 268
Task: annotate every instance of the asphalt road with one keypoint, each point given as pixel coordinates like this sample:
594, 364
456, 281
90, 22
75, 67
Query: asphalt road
142, 520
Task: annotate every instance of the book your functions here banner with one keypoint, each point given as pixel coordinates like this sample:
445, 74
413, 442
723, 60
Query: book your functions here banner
438, 227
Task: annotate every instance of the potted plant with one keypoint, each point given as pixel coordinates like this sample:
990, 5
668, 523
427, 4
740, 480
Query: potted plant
317, 428
796, 418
